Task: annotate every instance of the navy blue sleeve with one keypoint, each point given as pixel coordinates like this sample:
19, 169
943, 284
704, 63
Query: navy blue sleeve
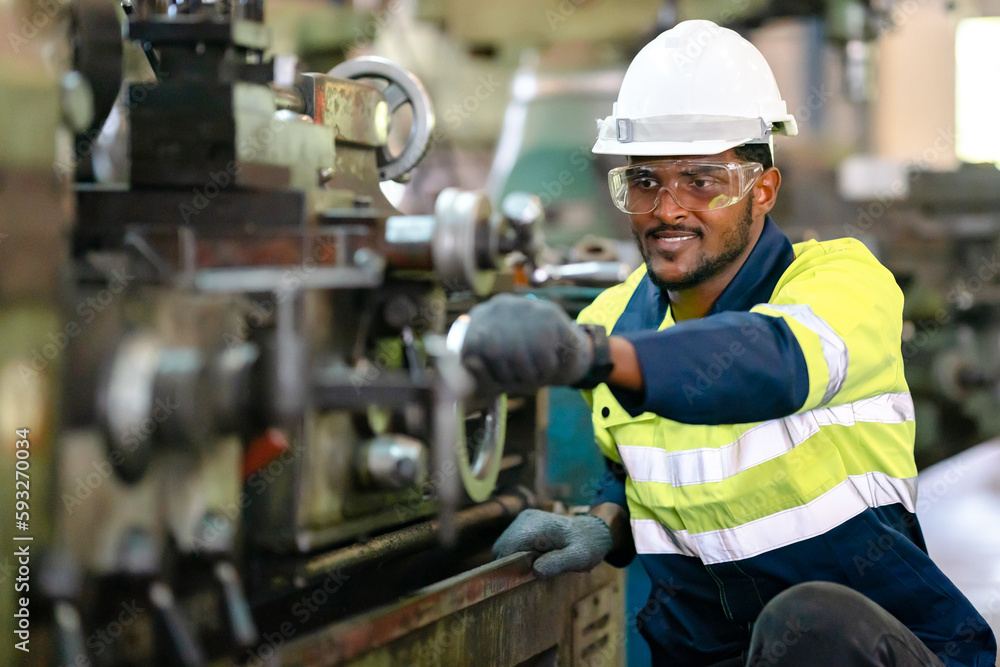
727, 368
611, 486
611, 489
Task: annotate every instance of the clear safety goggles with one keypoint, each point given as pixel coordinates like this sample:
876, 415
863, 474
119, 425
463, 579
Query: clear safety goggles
697, 185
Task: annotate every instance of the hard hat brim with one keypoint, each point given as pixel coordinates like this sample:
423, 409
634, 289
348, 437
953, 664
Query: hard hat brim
648, 148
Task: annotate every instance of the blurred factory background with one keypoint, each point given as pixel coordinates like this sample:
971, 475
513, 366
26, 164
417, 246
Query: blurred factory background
235, 238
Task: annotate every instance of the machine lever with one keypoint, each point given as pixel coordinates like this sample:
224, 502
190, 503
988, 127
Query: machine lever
235, 608
181, 648
412, 361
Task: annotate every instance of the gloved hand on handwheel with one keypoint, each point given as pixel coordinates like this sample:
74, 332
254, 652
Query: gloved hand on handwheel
518, 343
566, 543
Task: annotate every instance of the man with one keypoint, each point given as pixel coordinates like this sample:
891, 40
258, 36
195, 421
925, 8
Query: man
750, 399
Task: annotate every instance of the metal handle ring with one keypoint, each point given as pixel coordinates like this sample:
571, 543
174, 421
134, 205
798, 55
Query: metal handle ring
402, 88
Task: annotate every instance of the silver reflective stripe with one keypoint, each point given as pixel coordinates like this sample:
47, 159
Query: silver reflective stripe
758, 444
834, 347
842, 502
684, 128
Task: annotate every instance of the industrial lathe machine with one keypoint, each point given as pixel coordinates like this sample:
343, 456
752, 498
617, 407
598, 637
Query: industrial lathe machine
235, 425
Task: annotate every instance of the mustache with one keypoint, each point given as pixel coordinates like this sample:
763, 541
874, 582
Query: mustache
669, 228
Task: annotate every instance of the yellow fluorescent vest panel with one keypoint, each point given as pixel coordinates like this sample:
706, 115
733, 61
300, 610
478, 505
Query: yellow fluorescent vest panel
732, 491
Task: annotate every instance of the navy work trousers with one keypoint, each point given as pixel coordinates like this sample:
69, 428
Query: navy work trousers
821, 624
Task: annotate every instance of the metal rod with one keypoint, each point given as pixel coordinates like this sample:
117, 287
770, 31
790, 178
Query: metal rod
288, 98
412, 539
147, 48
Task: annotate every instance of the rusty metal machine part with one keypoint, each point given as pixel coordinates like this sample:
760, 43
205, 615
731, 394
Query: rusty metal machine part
357, 113
401, 88
260, 388
437, 624
398, 544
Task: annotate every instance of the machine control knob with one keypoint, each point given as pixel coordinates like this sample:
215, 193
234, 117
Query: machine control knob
514, 231
154, 394
392, 462
523, 210
523, 213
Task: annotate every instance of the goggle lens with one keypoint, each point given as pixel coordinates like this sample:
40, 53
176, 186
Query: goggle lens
696, 186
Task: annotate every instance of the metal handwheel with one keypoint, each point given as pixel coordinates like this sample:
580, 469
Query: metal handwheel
480, 437
401, 87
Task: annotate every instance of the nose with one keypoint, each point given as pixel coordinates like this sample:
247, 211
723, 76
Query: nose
667, 209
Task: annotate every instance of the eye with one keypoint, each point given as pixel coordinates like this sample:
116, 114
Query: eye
644, 183
699, 180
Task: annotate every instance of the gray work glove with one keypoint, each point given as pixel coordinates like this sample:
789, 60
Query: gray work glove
567, 543
515, 343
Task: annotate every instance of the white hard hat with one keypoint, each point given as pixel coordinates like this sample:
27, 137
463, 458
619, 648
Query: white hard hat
697, 89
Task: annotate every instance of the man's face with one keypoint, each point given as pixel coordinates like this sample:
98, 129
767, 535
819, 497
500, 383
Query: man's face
683, 249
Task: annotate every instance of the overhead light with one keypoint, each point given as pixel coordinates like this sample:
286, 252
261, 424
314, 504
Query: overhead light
977, 96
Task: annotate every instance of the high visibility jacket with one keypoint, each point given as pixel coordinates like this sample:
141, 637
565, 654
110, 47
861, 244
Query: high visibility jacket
773, 445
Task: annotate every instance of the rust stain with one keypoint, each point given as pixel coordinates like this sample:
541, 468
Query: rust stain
353, 638
320, 109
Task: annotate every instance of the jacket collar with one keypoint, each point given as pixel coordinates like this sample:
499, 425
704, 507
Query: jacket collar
753, 283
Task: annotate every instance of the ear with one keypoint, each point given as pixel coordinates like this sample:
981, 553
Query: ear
765, 192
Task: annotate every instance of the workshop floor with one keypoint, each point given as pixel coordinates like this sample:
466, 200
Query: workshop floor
959, 510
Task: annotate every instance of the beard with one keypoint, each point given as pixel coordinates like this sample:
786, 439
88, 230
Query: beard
734, 243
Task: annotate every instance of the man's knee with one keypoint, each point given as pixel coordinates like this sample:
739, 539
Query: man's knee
812, 607
822, 623
800, 621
